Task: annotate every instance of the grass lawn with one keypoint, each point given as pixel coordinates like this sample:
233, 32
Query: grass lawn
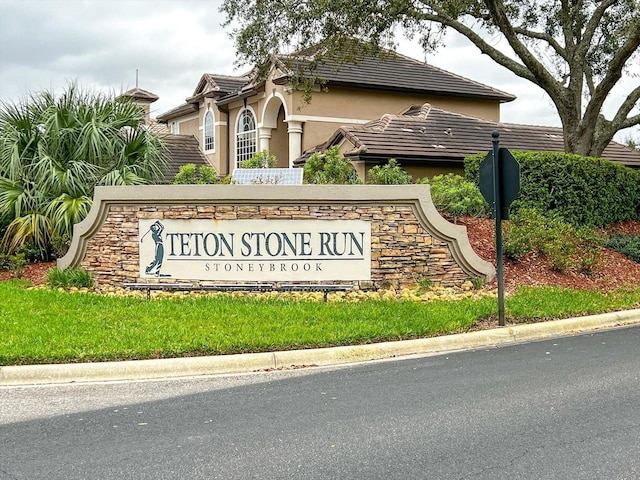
50, 326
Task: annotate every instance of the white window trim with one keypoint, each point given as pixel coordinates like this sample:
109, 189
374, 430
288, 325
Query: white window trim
213, 132
255, 133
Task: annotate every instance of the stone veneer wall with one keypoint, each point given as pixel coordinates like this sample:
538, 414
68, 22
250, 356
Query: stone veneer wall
403, 249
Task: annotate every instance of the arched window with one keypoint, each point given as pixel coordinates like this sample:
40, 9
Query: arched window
209, 139
245, 136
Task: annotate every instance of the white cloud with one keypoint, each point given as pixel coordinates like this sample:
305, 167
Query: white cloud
44, 44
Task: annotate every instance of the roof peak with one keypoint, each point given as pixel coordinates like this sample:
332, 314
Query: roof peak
140, 94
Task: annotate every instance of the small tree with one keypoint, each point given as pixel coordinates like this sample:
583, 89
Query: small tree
330, 168
390, 173
260, 160
189, 174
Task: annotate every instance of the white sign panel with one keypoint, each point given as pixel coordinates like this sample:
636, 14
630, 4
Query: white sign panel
256, 250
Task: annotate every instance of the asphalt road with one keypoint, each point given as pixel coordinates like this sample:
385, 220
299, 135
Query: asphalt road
567, 408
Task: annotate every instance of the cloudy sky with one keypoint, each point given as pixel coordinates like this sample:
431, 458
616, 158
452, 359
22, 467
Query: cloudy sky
44, 44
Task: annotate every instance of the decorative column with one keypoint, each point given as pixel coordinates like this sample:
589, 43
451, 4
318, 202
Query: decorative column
295, 140
264, 138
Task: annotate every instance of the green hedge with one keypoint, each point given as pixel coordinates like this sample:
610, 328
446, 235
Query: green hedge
583, 190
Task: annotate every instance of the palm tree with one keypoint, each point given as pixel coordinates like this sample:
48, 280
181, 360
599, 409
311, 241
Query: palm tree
54, 151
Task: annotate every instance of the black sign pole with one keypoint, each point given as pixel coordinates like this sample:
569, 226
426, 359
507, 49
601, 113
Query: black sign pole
497, 210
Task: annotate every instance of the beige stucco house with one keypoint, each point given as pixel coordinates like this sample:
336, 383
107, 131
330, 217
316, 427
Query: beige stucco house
235, 117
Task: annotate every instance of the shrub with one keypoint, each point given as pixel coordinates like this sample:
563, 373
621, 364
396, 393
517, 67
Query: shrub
330, 168
424, 284
455, 196
628, 245
530, 231
583, 190
260, 160
15, 263
189, 174
477, 282
590, 242
60, 244
70, 277
549, 234
389, 174
208, 175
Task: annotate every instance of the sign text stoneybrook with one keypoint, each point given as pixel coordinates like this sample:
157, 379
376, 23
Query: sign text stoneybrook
256, 250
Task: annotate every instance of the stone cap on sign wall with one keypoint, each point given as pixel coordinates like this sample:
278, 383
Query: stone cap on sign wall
418, 197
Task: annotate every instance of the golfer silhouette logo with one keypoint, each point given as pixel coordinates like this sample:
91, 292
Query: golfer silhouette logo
156, 230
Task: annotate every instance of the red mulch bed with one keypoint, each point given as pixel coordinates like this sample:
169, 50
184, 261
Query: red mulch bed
614, 270
36, 272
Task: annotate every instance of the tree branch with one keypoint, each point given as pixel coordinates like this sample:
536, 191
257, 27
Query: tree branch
542, 76
592, 27
559, 49
614, 72
630, 122
629, 103
441, 17
569, 43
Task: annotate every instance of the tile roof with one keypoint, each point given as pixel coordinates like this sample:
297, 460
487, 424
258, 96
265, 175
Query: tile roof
140, 95
178, 111
182, 150
220, 84
158, 128
429, 133
396, 72
210, 85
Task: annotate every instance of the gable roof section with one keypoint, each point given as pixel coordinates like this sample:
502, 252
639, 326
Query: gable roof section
399, 73
429, 133
219, 85
212, 86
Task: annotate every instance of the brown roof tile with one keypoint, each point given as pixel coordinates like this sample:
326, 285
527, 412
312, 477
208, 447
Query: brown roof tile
178, 111
182, 150
220, 84
396, 72
140, 95
429, 133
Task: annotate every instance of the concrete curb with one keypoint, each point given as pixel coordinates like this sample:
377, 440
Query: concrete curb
252, 362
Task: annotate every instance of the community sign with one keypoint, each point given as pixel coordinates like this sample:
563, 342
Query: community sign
255, 250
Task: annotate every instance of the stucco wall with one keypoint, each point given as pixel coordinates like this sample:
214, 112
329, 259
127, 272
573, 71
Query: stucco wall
327, 111
409, 239
190, 127
369, 105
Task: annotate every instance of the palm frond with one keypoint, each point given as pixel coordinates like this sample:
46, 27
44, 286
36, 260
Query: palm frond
65, 211
32, 228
